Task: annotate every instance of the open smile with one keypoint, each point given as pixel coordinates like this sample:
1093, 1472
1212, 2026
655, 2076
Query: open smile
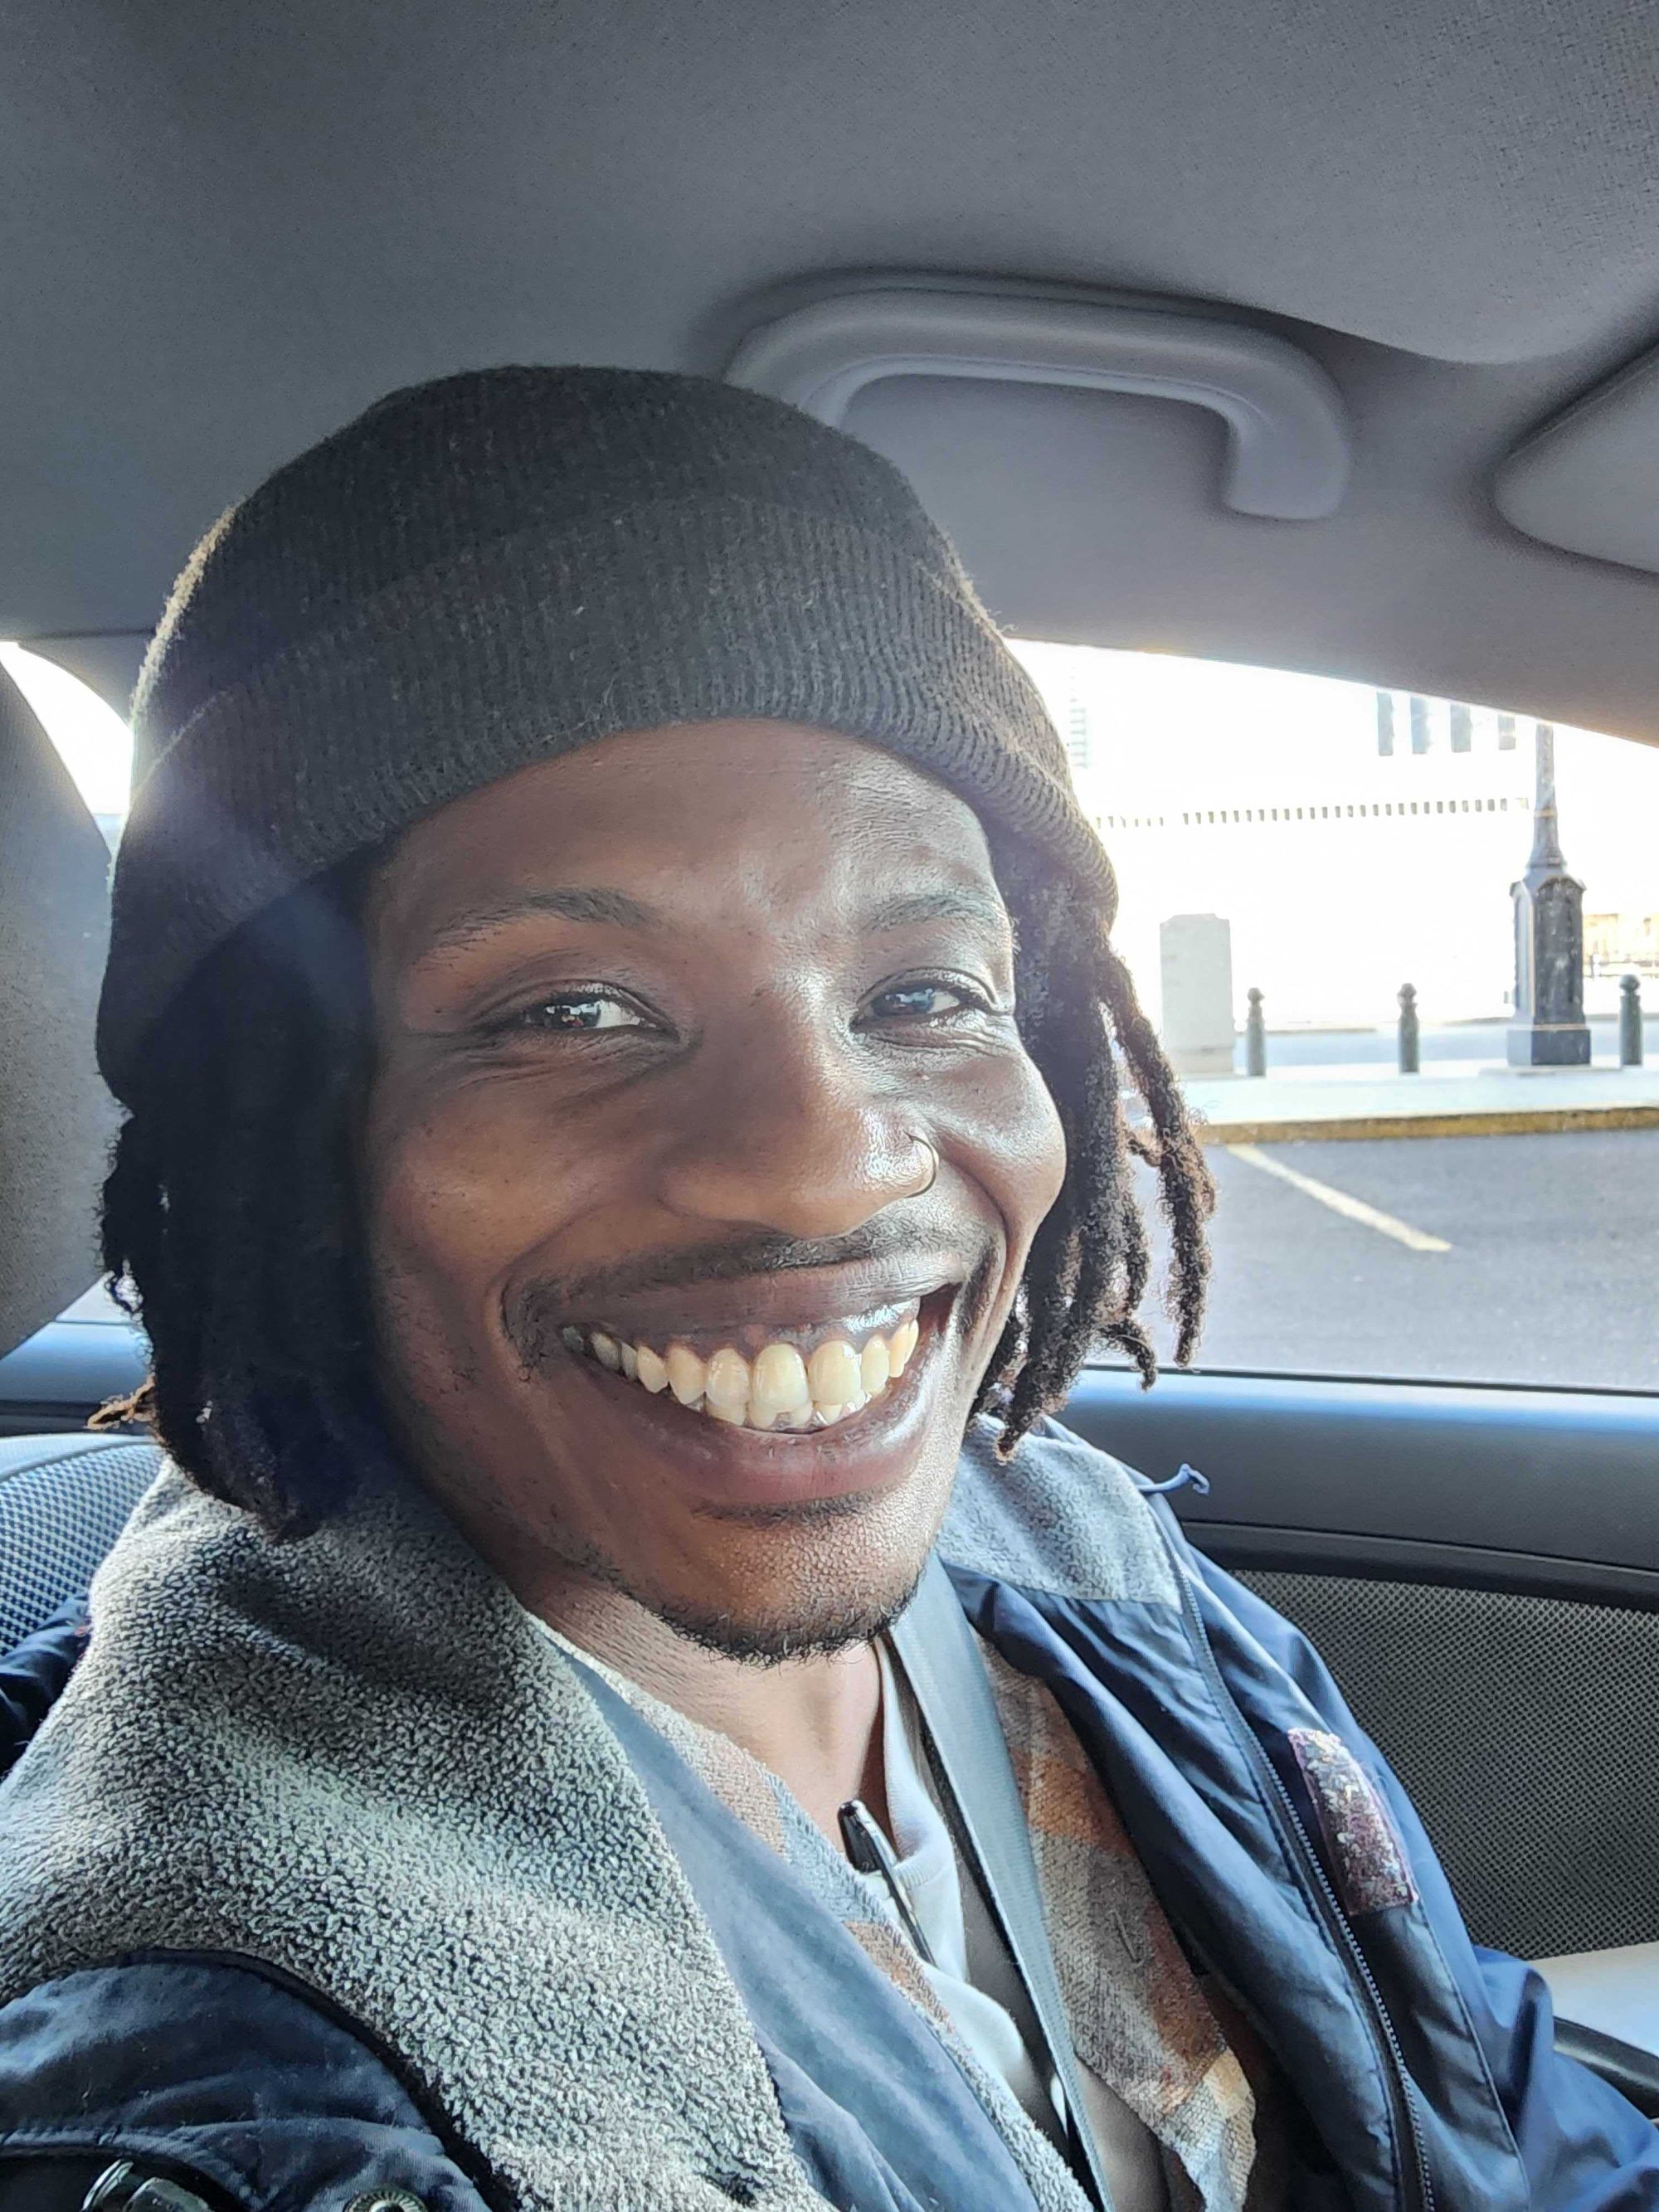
740, 1454
775, 1380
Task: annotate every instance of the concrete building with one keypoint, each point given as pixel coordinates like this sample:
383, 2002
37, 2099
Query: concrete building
1355, 841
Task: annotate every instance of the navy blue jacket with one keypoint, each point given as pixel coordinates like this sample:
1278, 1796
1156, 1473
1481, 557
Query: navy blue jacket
31, 1676
1425, 2067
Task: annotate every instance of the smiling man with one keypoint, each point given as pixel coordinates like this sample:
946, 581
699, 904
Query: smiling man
625, 1696
703, 1160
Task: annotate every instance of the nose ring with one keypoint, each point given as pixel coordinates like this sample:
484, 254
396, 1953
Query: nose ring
932, 1164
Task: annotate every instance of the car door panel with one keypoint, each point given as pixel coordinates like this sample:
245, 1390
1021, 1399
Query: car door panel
1480, 1569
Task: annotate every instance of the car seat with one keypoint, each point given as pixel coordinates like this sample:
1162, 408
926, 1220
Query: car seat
62, 1498
64, 1501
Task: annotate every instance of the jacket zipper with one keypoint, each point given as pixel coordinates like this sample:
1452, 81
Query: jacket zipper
1300, 1851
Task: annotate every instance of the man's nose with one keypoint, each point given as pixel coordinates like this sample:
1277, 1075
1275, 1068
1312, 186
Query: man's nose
792, 1127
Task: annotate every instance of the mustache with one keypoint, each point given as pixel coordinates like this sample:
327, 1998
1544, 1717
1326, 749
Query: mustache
532, 1314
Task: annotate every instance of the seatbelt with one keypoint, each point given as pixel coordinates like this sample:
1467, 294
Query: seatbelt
941, 1657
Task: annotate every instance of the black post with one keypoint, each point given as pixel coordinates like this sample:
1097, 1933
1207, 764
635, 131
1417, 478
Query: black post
1630, 1021
1255, 1038
1409, 1054
1549, 1029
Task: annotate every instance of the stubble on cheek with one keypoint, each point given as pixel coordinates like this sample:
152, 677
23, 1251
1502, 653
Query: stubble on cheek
431, 1359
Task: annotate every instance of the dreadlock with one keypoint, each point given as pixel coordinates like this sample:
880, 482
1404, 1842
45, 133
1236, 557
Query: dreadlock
230, 1221
229, 1217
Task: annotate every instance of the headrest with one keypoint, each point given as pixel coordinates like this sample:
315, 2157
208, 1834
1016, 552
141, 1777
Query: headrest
56, 1117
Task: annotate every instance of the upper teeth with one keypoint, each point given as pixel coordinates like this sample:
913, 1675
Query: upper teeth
779, 1387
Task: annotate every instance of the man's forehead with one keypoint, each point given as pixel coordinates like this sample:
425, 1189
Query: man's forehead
643, 831
608, 906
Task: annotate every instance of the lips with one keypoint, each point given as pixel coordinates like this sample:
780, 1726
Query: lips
777, 1307
723, 1465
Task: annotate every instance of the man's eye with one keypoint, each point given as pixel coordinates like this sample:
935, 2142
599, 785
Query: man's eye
920, 1002
579, 1009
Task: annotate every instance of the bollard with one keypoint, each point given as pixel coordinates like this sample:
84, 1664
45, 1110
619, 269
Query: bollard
1408, 1050
1255, 1038
1630, 1021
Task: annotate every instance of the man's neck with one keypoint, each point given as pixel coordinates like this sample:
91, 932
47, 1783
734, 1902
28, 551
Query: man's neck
815, 1722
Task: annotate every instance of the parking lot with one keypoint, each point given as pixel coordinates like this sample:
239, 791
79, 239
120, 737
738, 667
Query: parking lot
1549, 1273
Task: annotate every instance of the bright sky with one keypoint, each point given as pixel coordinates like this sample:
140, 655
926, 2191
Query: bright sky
1166, 728
1329, 919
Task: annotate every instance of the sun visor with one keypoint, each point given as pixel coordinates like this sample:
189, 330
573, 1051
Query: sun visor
1589, 481
56, 1117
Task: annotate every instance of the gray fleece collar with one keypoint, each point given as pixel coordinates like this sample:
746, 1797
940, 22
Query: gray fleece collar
355, 1758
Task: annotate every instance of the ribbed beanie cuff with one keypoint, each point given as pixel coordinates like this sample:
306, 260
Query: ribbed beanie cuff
494, 570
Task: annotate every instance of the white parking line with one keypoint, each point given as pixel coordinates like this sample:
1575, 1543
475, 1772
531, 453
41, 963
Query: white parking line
1355, 1209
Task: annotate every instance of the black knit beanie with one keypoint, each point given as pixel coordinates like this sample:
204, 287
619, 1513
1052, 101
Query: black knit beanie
483, 572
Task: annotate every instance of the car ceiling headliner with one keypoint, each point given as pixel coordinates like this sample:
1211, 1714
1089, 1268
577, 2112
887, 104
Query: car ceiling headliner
227, 229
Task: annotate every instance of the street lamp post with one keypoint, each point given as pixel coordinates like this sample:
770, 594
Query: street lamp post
1549, 1029
1256, 1037
1411, 1038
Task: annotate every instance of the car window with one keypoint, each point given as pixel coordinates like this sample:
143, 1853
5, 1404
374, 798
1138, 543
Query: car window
96, 746
91, 740
1326, 845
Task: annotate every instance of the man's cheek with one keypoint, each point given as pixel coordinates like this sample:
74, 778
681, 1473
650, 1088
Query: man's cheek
1011, 1141
424, 1343
450, 1179
433, 1237
1046, 1157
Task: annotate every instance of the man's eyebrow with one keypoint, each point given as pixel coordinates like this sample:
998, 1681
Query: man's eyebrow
957, 904
594, 903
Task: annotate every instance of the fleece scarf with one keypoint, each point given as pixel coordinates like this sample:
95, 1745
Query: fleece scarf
357, 1758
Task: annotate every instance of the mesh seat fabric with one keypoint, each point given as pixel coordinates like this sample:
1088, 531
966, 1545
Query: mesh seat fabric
63, 1500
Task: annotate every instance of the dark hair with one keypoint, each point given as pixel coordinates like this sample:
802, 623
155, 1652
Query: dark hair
230, 1222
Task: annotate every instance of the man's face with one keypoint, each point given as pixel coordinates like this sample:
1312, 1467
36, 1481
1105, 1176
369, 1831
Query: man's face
670, 1033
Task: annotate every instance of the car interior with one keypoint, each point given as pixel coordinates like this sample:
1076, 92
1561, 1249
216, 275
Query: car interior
1322, 339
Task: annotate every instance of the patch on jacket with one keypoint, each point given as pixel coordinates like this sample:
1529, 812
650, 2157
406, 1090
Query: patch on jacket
1361, 1840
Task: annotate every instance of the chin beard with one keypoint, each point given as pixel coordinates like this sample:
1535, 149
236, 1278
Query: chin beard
814, 1626
818, 1632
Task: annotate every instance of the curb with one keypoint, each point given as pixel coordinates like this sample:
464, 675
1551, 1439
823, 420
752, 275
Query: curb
1541, 1121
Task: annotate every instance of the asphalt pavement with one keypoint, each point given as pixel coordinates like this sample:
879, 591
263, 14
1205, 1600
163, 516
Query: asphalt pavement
1550, 1273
